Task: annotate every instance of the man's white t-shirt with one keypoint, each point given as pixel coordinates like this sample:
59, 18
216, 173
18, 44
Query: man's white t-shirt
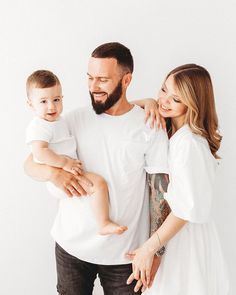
121, 149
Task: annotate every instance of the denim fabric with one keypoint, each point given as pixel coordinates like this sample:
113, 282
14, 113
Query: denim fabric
76, 277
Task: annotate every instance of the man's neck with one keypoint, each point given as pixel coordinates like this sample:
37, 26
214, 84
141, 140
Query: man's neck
121, 107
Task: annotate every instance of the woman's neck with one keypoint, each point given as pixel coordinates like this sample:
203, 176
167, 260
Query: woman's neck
176, 124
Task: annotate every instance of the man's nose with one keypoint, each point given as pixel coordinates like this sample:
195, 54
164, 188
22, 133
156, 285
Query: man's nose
94, 86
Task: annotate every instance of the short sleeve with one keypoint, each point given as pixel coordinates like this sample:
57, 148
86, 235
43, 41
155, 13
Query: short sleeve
38, 130
156, 156
192, 173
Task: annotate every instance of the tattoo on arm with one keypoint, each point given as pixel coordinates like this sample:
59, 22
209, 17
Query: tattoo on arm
159, 208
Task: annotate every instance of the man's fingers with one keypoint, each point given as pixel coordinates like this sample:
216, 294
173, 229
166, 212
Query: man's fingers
72, 190
84, 180
155, 265
67, 192
78, 189
152, 276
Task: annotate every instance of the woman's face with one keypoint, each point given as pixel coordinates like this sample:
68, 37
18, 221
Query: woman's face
169, 99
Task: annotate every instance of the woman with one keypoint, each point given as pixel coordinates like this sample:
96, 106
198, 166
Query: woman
192, 263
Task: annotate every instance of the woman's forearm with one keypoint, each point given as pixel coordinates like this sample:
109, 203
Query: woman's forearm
139, 102
170, 227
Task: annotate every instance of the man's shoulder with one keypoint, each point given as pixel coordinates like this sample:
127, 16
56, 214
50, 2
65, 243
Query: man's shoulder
138, 110
136, 116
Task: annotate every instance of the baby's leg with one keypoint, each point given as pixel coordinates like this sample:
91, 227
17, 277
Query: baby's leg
100, 206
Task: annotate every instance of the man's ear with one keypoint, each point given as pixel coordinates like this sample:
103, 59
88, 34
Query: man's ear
127, 79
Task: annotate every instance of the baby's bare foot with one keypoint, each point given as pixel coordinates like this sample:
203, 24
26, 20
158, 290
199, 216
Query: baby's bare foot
112, 228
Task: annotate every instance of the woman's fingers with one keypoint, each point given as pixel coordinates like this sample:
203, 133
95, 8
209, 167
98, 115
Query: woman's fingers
163, 123
130, 279
138, 286
143, 277
143, 289
147, 115
136, 274
148, 277
152, 118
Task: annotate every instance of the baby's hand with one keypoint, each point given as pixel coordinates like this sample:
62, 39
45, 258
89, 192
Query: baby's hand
73, 166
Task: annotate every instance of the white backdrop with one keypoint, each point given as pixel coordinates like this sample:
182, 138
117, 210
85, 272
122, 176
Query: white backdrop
60, 35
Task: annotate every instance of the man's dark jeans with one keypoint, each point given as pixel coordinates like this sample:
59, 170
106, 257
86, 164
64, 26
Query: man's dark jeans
76, 277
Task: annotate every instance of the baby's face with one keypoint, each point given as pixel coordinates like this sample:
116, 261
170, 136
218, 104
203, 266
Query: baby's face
46, 102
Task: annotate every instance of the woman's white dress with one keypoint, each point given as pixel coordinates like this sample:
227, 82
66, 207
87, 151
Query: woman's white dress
193, 262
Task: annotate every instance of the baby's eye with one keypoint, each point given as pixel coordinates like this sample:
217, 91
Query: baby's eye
43, 101
57, 99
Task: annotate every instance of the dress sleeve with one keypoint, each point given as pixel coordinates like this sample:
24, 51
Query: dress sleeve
192, 173
38, 130
156, 156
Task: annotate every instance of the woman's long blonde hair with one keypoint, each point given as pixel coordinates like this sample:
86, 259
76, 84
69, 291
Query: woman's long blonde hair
196, 90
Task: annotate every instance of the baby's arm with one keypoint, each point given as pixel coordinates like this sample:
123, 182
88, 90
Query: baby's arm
44, 154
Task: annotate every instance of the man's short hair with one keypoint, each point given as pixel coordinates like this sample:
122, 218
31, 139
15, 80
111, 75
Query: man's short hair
118, 51
41, 79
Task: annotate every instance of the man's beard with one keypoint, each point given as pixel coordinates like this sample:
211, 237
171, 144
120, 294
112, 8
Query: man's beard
101, 107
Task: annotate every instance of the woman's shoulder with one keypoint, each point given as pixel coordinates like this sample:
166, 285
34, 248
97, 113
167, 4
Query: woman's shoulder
187, 145
186, 137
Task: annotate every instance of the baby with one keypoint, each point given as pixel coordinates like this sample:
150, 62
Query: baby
52, 144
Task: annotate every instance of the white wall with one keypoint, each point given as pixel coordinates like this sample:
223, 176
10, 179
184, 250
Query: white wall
59, 35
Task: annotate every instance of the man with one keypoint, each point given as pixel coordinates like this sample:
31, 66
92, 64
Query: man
114, 142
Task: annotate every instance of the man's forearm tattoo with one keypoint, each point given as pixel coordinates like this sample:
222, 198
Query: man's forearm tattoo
159, 208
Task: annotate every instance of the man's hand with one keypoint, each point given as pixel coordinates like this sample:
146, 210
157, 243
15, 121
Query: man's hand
155, 266
72, 185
